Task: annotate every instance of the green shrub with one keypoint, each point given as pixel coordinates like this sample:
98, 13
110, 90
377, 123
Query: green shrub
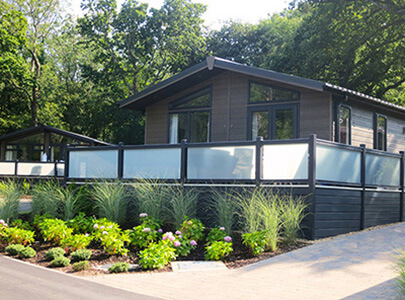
256, 241
119, 267
81, 266
14, 235
54, 230
53, 253
76, 241
45, 200
141, 236
192, 229
81, 223
216, 234
157, 255
27, 252
14, 249
270, 217
82, 254
10, 195
292, 214
184, 246
111, 201
223, 207
22, 224
60, 261
182, 203
218, 250
68, 202
114, 243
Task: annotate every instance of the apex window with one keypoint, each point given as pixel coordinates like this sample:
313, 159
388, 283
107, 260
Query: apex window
380, 132
343, 128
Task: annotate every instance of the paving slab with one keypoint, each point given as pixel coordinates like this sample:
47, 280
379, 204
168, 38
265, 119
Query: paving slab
358, 266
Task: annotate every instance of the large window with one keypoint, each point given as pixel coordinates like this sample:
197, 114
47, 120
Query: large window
189, 118
343, 125
380, 132
268, 117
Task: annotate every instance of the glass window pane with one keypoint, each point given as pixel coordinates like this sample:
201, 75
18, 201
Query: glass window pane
344, 125
382, 170
262, 93
260, 124
284, 124
199, 125
199, 99
381, 133
93, 164
178, 128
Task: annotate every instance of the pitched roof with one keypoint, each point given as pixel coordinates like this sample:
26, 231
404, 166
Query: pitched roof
213, 66
44, 128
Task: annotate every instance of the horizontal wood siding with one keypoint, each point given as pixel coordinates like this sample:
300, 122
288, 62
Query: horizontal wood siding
381, 208
157, 123
337, 211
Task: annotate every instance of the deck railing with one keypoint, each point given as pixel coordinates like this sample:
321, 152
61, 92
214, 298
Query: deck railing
32, 169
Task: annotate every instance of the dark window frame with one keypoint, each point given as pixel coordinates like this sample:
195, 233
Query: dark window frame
190, 110
272, 109
273, 87
375, 121
337, 123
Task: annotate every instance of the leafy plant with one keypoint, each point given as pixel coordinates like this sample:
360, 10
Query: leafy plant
256, 241
81, 224
82, 254
45, 200
114, 243
53, 253
111, 201
119, 267
76, 241
223, 207
15, 235
157, 255
14, 249
60, 261
68, 202
27, 252
184, 246
10, 195
192, 229
292, 214
182, 203
218, 250
216, 234
142, 236
54, 230
249, 209
270, 206
22, 224
81, 266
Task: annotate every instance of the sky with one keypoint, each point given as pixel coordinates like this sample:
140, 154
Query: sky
219, 11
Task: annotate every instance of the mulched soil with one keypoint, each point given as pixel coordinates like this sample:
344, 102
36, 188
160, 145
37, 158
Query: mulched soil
240, 257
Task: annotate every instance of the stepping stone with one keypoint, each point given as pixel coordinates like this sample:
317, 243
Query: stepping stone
182, 266
132, 267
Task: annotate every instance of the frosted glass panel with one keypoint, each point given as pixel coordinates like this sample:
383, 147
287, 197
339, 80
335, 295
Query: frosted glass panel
35, 169
61, 169
152, 163
221, 163
93, 164
285, 162
7, 168
335, 164
382, 170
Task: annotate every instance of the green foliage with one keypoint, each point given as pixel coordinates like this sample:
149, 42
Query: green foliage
218, 250
157, 255
192, 229
142, 236
182, 203
27, 252
53, 253
292, 214
14, 249
256, 241
119, 267
60, 261
21, 224
15, 235
76, 241
54, 230
401, 272
185, 247
111, 201
270, 206
82, 254
216, 234
45, 200
10, 195
81, 223
223, 208
68, 201
81, 266
110, 236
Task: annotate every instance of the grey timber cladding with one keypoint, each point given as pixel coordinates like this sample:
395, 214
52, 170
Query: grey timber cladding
229, 119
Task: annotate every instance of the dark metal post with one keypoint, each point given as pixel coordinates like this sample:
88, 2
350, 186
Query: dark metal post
259, 160
363, 185
67, 161
16, 168
55, 170
183, 163
401, 178
312, 179
120, 160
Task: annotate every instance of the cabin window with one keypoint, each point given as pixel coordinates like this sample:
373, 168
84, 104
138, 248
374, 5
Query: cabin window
189, 118
344, 123
259, 92
380, 132
274, 122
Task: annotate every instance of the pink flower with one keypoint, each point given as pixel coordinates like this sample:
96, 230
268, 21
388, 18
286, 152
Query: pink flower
2, 221
160, 230
193, 243
95, 226
178, 232
102, 227
143, 215
180, 236
171, 238
177, 244
222, 228
5, 225
227, 238
86, 234
147, 229
167, 236
105, 232
110, 226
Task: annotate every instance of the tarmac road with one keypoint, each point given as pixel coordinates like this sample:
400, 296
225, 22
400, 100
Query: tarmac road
22, 281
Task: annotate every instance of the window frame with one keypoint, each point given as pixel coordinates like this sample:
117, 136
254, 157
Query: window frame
337, 123
274, 87
375, 132
172, 110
